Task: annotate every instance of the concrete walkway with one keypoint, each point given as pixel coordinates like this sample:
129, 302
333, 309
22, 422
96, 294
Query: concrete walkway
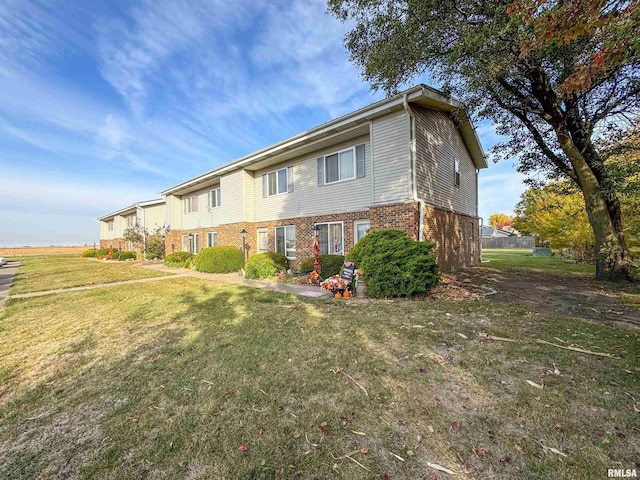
6, 278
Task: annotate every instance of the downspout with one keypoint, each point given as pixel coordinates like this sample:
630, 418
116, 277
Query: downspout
144, 232
414, 169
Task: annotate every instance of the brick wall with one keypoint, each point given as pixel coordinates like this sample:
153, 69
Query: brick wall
450, 231
456, 236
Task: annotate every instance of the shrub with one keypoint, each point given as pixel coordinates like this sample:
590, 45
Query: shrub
265, 265
219, 260
154, 247
395, 265
127, 256
329, 265
176, 257
99, 252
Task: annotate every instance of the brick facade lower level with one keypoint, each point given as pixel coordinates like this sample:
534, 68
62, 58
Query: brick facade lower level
456, 235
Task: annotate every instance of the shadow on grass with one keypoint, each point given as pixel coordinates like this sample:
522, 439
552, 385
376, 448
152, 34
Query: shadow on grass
228, 366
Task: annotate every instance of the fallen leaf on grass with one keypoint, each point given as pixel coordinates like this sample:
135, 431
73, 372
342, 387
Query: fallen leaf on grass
441, 468
456, 425
558, 426
598, 432
423, 370
242, 449
296, 435
364, 451
481, 452
440, 360
430, 428
505, 460
534, 384
518, 448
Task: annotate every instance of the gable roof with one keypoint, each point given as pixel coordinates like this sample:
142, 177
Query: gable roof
132, 208
420, 94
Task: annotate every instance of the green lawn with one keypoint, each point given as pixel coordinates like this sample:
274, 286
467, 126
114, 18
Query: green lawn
167, 380
50, 272
522, 259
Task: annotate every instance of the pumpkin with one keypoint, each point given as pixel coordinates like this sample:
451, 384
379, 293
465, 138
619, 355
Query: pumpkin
338, 295
347, 294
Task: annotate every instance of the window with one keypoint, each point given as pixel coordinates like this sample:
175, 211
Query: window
191, 204
131, 221
343, 165
110, 225
456, 173
129, 246
286, 241
331, 238
194, 243
278, 182
212, 239
263, 240
215, 198
360, 229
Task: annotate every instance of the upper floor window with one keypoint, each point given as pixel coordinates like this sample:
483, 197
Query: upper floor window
215, 199
456, 173
277, 182
131, 220
110, 225
342, 165
190, 204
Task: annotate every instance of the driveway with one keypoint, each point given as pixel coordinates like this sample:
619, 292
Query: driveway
6, 279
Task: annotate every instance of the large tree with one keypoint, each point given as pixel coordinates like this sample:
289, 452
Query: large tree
552, 75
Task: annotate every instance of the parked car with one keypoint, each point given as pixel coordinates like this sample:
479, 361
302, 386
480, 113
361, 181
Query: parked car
3, 261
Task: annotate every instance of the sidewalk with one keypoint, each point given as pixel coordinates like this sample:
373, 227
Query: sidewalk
235, 278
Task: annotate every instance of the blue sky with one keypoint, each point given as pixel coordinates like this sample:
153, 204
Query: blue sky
103, 104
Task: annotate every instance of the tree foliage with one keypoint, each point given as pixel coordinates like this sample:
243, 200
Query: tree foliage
500, 220
552, 75
556, 215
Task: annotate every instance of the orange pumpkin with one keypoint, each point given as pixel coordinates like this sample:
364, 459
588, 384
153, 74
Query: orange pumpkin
338, 295
347, 294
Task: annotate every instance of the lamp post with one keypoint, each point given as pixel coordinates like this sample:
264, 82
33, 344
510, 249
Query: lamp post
243, 232
190, 237
316, 249
94, 249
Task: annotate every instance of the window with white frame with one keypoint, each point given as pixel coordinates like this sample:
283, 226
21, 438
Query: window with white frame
110, 225
131, 221
360, 229
286, 241
212, 239
331, 238
190, 204
456, 173
194, 243
215, 199
263, 240
343, 165
277, 182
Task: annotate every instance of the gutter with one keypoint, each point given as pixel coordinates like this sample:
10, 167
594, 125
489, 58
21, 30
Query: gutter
413, 163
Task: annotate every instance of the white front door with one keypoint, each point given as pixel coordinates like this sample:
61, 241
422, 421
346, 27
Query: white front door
263, 240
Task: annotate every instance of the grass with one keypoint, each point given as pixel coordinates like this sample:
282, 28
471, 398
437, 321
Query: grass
522, 259
51, 272
168, 380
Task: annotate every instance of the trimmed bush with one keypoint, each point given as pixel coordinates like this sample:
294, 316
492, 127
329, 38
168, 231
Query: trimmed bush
395, 265
219, 260
176, 257
124, 256
99, 252
329, 265
265, 265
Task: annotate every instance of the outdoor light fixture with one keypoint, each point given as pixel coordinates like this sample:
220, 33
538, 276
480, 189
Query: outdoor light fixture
316, 230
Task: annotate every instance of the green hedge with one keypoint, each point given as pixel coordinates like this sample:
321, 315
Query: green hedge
124, 256
219, 260
329, 265
98, 252
395, 265
176, 257
265, 265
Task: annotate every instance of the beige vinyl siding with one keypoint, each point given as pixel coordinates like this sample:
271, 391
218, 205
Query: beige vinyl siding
170, 205
232, 191
249, 196
307, 197
153, 216
204, 216
438, 144
390, 137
